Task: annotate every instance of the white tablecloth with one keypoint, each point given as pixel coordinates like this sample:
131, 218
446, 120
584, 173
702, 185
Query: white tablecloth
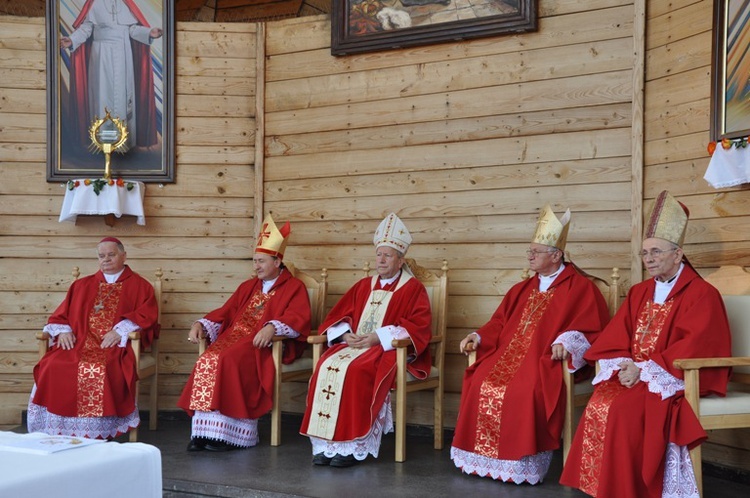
728, 168
107, 470
111, 200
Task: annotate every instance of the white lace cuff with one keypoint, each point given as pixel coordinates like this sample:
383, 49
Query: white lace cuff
607, 367
659, 380
211, 328
390, 333
55, 329
576, 344
282, 329
124, 328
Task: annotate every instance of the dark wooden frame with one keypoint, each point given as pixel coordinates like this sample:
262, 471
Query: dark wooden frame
66, 158
343, 42
720, 80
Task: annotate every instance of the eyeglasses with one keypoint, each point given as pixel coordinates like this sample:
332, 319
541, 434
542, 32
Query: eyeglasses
535, 253
656, 253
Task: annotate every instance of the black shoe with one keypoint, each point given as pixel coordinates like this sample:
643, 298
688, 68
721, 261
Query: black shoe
219, 446
343, 461
196, 444
321, 459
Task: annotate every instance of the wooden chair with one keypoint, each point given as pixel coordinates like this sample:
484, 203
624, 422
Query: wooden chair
733, 411
302, 367
146, 361
437, 290
578, 395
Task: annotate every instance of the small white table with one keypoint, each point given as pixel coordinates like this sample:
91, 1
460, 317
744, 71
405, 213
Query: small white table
110, 470
112, 201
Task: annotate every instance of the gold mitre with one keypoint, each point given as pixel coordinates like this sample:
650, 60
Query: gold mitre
668, 219
392, 233
550, 231
271, 240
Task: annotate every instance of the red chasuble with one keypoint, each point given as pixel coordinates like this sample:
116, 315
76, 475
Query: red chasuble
621, 440
232, 375
513, 397
88, 381
372, 374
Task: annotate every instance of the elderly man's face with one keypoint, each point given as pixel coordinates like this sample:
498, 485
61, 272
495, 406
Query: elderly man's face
266, 266
388, 261
661, 258
111, 259
544, 260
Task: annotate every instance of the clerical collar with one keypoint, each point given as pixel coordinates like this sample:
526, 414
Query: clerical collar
389, 281
545, 282
267, 284
111, 279
662, 289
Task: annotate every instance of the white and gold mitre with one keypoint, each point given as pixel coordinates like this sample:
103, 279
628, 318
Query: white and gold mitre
550, 231
668, 219
392, 233
271, 240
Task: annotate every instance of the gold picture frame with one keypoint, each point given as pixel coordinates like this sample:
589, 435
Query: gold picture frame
135, 83
730, 91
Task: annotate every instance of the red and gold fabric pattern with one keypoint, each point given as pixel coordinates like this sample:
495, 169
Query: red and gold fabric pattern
92, 368
493, 388
204, 381
648, 328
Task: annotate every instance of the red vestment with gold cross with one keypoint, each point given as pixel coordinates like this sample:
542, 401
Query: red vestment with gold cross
233, 376
88, 381
621, 441
513, 397
370, 377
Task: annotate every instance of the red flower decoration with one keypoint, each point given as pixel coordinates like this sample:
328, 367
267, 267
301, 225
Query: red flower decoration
120, 182
726, 143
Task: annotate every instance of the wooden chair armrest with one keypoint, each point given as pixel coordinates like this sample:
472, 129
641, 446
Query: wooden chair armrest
401, 343
317, 339
42, 336
135, 336
697, 363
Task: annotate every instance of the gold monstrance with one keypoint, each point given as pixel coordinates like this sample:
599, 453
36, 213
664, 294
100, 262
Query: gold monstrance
108, 134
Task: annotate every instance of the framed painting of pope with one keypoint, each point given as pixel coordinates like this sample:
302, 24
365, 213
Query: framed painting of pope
110, 57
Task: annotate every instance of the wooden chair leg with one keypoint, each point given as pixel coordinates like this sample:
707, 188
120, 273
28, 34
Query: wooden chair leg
567, 432
401, 405
695, 457
276, 409
438, 428
153, 413
133, 436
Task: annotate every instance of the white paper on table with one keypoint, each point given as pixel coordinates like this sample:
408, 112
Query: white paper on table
42, 444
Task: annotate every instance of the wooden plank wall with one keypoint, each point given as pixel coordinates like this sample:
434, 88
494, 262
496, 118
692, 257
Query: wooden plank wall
199, 230
677, 118
465, 142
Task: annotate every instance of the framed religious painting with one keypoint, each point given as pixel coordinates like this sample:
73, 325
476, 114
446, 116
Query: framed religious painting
112, 58
730, 91
369, 25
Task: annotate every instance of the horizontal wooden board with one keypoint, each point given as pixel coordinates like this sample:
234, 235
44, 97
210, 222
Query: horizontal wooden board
678, 24
545, 122
193, 131
585, 226
679, 56
23, 128
558, 172
502, 151
237, 44
23, 33
225, 67
669, 119
215, 106
216, 85
431, 78
577, 91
